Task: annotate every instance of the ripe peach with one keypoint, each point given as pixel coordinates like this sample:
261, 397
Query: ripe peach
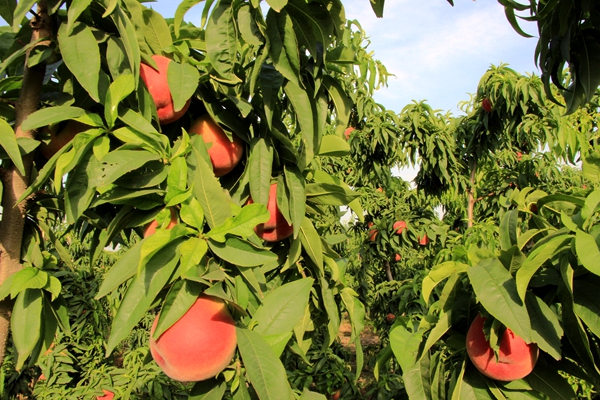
390, 318
398, 257
224, 154
399, 226
348, 132
519, 156
516, 358
486, 104
151, 227
199, 345
108, 395
60, 139
276, 228
380, 190
336, 395
157, 83
423, 241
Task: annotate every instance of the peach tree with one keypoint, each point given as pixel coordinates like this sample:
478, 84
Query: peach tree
266, 78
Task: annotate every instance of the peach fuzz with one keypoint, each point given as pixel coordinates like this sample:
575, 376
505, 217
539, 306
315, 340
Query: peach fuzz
516, 358
276, 228
157, 83
224, 154
60, 139
199, 345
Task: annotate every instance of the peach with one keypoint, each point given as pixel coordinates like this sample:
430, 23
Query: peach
151, 227
399, 226
276, 228
423, 241
516, 358
348, 132
224, 154
390, 318
108, 395
398, 257
373, 234
60, 139
486, 104
157, 83
199, 345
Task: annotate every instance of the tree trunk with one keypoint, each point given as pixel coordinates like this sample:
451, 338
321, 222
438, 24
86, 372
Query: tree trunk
471, 199
15, 184
388, 271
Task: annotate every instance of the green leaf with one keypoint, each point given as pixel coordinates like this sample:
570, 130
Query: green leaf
377, 6
156, 31
129, 39
51, 115
405, 345
182, 295
183, 82
283, 308
264, 368
261, 165
248, 26
10, 145
182, 9
496, 290
211, 389
74, 11
311, 242
121, 271
208, 191
26, 323
587, 304
221, 40
20, 11
7, 9
283, 45
141, 293
536, 258
28, 278
119, 162
79, 190
305, 112
242, 224
545, 326
508, 229
192, 213
295, 190
81, 55
122, 87
416, 379
241, 253
549, 382
330, 194
333, 146
327, 293
588, 251
591, 167
343, 104
438, 274
277, 5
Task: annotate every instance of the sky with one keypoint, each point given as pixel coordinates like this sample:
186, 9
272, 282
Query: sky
437, 52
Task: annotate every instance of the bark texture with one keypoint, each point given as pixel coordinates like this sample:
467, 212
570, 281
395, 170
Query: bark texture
15, 184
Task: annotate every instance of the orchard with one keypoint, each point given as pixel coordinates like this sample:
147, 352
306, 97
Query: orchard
172, 194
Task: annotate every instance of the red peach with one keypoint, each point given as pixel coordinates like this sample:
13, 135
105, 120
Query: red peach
398, 257
486, 104
399, 226
348, 132
516, 358
276, 228
224, 154
390, 317
199, 345
108, 395
423, 241
157, 83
